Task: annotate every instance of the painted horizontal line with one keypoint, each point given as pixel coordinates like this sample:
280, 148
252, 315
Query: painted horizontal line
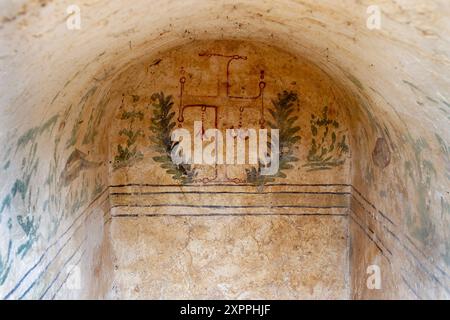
230, 192
134, 215
221, 214
232, 185
224, 207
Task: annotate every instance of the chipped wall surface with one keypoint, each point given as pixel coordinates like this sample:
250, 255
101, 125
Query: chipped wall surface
64, 93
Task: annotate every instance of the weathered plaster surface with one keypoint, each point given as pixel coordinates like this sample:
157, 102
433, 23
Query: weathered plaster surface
203, 67
313, 190
252, 257
56, 86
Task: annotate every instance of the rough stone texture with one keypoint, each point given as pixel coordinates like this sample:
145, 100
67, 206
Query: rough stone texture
56, 84
230, 257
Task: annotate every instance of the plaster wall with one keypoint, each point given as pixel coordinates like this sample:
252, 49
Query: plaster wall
56, 116
226, 231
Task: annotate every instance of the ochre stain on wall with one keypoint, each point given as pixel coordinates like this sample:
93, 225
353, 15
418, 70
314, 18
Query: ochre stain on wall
229, 85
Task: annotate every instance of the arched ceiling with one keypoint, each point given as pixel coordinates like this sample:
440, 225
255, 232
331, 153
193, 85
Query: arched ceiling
407, 52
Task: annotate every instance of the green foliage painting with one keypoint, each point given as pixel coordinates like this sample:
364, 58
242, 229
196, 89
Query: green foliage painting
30, 227
282, 119
328, 145
420, 172
161, 126
128, 154
25, 195
23, 189
34, 202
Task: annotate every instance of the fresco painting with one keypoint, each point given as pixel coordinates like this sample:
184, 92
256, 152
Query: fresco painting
127, 154
89, 186
38, 207
226, 102
329, 144
161, 127
226, 85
